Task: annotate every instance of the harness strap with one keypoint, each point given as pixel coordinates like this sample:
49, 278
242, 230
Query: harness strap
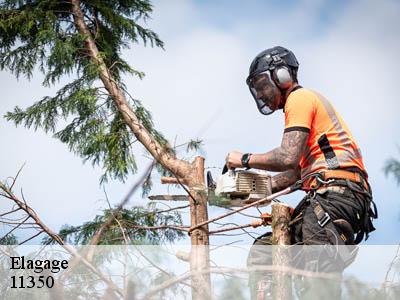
336, 237
356, 177
329, 154
353, 180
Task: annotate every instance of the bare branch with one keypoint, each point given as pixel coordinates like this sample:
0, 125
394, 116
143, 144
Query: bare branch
32, 237
230, 228
16, 227
158, 268
259, 202
16, 177
396, 257
97, 236
172, 209
243, 214
182, 228
31, 214
10, 212
17, 222
169, 197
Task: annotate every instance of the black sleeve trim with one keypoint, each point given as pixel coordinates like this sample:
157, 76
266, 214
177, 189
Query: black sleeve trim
297, 128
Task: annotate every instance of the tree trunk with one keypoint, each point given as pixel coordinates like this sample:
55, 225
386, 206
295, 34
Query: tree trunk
199, 256
280, 224
191, 175
281, 288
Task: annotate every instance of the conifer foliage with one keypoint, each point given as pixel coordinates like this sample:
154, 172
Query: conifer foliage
41, 35
392, 166
129, 227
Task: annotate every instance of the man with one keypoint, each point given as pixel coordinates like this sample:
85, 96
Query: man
317, 148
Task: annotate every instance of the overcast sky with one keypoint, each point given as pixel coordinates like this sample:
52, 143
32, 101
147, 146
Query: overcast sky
348, 51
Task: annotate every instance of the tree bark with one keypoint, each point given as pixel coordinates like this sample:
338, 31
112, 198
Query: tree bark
280, 224
190, 174
199, 256
281, 288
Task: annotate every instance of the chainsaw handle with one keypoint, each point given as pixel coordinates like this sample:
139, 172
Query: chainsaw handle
225, 169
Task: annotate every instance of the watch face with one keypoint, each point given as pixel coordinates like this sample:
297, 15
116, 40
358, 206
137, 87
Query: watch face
245, 160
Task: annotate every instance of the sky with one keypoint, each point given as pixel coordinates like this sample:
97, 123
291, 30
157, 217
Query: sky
195, 88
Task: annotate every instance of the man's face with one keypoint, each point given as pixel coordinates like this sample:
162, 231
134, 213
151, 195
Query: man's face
265, 93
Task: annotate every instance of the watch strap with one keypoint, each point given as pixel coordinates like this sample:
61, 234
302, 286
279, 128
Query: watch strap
245, 160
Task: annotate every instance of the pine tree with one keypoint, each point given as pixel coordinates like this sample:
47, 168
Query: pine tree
42, 35
85, 38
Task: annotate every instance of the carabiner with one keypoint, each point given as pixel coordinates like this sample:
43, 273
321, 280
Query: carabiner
321, 181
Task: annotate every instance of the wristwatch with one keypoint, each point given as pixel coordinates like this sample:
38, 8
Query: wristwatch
245, 160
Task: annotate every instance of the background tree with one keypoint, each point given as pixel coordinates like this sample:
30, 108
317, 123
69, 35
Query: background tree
392, 167
9, 239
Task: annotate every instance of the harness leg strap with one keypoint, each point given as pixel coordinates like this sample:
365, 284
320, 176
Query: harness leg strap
336, 238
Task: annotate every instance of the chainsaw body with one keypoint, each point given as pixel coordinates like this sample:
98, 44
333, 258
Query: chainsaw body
238, 187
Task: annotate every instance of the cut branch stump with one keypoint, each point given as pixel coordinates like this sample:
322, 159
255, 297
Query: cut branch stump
281, 288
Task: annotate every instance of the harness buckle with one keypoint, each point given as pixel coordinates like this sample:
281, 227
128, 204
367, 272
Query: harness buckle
317, 180
325, 182
324, 220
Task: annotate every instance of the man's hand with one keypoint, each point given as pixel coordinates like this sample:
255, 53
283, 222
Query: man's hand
234, 159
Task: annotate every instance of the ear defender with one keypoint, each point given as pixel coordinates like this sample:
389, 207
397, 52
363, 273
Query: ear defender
283, 77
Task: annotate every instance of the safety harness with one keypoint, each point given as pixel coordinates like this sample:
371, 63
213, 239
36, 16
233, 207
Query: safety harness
329, 176
335, 180
339, 232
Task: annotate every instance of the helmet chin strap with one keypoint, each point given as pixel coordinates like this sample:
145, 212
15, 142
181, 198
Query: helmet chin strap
282, 101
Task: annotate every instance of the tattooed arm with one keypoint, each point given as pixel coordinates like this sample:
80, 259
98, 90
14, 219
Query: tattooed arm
285, 179
284, 158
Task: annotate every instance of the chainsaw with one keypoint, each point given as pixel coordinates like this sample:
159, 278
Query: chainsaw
238, 187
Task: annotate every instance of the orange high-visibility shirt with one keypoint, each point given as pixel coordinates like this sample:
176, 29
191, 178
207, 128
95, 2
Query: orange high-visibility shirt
330, 143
